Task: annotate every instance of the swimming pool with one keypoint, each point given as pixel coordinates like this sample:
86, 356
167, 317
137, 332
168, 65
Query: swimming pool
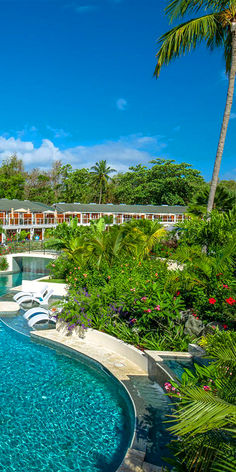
7, 281
57, 413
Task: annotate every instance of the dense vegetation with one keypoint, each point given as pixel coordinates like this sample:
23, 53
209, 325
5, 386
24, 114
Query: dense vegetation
119, 283
164, 182
205, 413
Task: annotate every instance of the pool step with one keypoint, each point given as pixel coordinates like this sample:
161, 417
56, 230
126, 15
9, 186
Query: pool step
134, 462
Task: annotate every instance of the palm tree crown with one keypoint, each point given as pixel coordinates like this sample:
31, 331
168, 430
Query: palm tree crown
217, 27
101, 175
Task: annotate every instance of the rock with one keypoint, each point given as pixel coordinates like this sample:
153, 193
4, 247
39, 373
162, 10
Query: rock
193, 327
196, 350
185, 314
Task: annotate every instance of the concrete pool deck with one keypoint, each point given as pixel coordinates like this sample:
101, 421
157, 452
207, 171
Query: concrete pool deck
123, 369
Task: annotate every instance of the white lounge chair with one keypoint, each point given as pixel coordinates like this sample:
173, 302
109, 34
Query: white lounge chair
35, 311
38, 294
39, 300
39, 318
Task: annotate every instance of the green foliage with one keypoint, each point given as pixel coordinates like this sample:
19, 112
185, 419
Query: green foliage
164, 183
75, 184
3, 263
60, 267
117, 267
212, 27
128, 301
205, 413
212, 233
22, 235
207, 250
12, 178
225, 200
100, 176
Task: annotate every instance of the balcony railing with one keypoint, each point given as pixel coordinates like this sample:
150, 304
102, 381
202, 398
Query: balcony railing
85, 219
13, 247
28, 222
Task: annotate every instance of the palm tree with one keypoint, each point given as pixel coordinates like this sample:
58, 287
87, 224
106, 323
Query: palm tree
205, 418
145, 234
225, 200
101, 175
218, 28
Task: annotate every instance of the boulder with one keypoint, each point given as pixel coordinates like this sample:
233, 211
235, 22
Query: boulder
193, 327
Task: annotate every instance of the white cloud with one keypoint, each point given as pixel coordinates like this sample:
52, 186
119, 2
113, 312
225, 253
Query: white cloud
26, 131
232, 116
58, 132
121, 104
121, 154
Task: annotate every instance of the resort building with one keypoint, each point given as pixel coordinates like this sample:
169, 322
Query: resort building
35, 217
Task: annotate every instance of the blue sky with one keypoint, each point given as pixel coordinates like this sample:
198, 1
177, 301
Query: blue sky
77, 84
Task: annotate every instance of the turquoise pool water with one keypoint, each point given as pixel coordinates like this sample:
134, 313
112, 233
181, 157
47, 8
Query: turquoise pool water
13, 280
58, 414
178, 366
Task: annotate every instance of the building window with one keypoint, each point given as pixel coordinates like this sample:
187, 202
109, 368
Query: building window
94, 216
118, 219
85, 218
127, 218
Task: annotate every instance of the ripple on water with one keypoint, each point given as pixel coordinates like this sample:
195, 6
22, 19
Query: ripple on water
58, 414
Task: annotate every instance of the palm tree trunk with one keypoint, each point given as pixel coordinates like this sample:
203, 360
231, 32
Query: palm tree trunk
226, 117
100, 196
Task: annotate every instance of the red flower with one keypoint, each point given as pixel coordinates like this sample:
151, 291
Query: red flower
225, 326
217, 275
225, 286
212, 301
177, 293
230, 300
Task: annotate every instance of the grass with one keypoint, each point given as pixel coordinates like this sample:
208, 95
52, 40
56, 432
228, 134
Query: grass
53, 281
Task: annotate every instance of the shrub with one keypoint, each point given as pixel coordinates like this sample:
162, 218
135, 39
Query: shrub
3, 263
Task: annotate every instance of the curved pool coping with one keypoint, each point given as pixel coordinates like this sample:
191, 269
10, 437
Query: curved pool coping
132, 452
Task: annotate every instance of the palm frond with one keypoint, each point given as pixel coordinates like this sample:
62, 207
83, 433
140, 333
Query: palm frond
226, 463
179, 8
185, 37
201, 411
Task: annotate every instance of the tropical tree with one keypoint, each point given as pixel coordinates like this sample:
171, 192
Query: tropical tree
145, 234
165, 182
217, 27
68, 238
100, 173
12, 178
225, 200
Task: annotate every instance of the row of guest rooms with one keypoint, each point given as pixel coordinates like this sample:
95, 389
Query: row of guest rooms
36, 223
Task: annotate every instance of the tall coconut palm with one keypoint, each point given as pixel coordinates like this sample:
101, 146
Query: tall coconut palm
217, 27
101, 175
